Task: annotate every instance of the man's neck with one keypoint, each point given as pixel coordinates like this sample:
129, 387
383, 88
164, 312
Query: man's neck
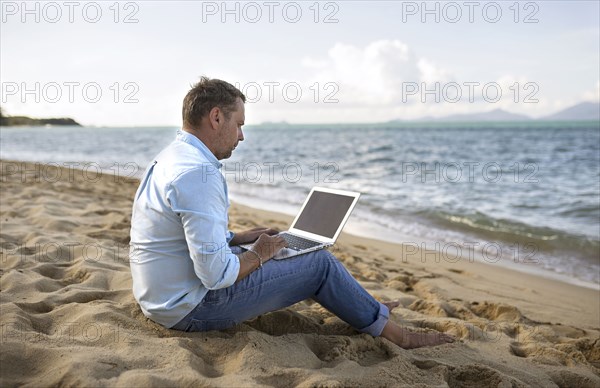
200, 137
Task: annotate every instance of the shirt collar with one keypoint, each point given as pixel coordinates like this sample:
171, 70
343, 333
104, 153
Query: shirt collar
187, 137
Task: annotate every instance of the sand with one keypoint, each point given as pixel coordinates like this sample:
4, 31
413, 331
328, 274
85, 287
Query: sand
68, 317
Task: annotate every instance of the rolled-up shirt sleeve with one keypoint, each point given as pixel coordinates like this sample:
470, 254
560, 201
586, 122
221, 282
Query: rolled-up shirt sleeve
198, 197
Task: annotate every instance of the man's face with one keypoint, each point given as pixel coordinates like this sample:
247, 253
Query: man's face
230, 134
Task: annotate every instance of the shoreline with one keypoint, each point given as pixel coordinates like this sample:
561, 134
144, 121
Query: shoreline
69, 316
517, 261
378, 233
386, 235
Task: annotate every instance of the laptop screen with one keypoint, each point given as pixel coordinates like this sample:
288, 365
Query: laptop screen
324, 213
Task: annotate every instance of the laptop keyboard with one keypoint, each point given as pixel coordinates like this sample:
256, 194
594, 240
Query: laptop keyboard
299, 243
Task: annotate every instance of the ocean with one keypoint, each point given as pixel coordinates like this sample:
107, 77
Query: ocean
523, 195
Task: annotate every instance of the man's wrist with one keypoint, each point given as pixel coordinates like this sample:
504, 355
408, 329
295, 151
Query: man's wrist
260, 260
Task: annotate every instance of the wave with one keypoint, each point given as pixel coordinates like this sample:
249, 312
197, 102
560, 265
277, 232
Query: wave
544, 239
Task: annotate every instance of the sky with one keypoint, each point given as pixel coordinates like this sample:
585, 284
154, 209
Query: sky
131, 63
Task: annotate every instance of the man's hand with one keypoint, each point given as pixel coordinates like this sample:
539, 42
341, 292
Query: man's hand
267, 246
251, 235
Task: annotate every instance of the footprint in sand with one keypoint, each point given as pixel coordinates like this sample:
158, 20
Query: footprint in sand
478, 375
364, 350
572, 353
498, 312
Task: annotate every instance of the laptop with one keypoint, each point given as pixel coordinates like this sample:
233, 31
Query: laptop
319, 222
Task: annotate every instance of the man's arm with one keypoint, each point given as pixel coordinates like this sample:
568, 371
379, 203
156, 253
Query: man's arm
198, 198
248, 263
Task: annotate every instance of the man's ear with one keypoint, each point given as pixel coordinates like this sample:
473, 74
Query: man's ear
216, 117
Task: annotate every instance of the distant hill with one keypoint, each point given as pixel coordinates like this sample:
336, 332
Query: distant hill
494, 115
582, 111
274, 124
12, 121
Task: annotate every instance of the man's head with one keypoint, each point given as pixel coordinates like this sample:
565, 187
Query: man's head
213, 111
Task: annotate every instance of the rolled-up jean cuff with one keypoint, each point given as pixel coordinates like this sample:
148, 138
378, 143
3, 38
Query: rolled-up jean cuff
376, 327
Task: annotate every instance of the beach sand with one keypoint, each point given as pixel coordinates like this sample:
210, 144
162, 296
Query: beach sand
69, 318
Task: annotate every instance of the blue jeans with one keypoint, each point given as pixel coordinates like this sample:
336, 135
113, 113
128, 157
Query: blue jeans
280, 283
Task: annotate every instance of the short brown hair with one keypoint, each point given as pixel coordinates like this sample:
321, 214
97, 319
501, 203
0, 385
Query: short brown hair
208, 94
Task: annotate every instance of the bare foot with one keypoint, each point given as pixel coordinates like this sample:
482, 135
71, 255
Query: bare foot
413, 340
410, 340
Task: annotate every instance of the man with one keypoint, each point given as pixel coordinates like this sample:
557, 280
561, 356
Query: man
188, 271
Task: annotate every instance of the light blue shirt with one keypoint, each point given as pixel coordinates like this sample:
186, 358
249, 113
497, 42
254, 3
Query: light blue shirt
179, 237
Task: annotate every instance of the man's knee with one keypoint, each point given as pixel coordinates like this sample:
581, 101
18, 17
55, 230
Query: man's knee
321, 258
327, 257
329, 254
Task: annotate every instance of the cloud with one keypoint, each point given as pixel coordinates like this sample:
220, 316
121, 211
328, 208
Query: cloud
593, 94
430, 73
374, 74
371, 79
